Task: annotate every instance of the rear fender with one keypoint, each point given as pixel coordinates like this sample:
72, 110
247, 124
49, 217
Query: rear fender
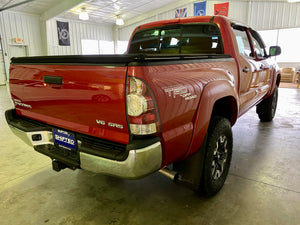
212, 93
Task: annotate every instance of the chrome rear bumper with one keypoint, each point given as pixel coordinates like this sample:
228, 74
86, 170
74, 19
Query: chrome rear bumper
141, 160
139, 163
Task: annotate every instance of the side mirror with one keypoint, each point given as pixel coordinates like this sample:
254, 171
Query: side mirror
274, 50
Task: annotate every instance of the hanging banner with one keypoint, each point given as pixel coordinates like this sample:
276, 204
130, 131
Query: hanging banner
181, 13
200, 8
221, 9
63, 33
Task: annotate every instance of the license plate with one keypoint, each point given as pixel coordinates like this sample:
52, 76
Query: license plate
64, 139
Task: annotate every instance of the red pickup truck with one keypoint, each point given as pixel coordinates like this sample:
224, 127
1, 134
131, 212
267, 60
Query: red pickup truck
168, 104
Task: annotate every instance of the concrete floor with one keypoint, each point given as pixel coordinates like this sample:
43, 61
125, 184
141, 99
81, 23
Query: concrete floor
263, 185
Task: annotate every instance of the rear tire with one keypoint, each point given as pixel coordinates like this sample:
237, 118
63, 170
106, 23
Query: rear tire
267, 108
217, 156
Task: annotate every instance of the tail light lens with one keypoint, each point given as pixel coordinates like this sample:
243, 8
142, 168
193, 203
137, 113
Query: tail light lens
141, 108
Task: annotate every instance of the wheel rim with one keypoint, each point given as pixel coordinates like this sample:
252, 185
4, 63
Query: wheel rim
219, 158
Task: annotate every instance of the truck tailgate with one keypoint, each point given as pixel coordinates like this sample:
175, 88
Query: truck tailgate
85, 98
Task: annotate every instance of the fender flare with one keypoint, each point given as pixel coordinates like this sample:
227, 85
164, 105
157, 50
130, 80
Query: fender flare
212, 92
276, 78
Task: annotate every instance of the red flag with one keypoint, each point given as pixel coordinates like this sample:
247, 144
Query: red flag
222, 9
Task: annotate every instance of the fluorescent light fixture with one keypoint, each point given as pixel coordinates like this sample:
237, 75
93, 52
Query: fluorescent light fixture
119, 21
83, 15
291, 1
116, 6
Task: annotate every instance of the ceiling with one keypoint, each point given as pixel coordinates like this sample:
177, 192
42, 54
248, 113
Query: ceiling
33, 7
100, 11
105, 11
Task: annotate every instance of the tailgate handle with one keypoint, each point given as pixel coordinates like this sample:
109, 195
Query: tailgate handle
53, 80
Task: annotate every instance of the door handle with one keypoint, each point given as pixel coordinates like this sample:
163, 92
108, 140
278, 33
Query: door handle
245, 69
53, 80
262, 67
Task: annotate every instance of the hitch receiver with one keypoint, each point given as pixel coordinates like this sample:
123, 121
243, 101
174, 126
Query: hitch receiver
58, 166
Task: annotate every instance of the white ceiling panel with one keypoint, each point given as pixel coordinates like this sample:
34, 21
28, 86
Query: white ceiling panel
100, 11
106, 11
33, 7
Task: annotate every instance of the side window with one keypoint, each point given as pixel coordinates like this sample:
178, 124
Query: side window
257, 44
243, 42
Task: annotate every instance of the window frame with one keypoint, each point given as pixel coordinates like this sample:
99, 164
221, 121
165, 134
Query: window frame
243, 29
256, 36
252, 34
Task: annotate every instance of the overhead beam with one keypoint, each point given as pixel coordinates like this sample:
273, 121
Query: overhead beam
59, 8
15, 5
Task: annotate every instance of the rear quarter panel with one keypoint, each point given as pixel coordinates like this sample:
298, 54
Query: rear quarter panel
178, 87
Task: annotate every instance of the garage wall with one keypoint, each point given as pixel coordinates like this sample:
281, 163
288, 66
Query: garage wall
237, 10
19, 25
77, 30
23, 26
259, 14
267, 15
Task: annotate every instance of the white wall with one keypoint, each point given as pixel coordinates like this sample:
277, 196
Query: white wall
77, 31
33, 31
20, 25
268, 15
237, 10
259, 14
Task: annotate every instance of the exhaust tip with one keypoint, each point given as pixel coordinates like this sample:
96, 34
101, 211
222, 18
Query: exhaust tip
173, 175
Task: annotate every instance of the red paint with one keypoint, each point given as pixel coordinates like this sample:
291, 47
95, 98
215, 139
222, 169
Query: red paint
91, 93
88, 93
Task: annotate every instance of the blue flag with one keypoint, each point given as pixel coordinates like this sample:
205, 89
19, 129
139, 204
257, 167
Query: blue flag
200, 8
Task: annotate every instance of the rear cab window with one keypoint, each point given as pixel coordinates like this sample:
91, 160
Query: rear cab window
178, 39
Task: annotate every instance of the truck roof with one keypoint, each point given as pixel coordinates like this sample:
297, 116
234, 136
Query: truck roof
194, 19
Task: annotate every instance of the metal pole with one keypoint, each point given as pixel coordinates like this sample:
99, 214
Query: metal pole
4, 66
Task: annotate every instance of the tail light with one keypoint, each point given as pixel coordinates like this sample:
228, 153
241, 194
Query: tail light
141, 108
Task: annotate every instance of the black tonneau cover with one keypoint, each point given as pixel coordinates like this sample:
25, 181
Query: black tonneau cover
111, 59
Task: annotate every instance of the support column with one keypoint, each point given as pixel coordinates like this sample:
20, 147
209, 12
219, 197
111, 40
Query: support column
43, 27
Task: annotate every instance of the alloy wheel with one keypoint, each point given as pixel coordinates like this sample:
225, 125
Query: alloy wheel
219, 158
